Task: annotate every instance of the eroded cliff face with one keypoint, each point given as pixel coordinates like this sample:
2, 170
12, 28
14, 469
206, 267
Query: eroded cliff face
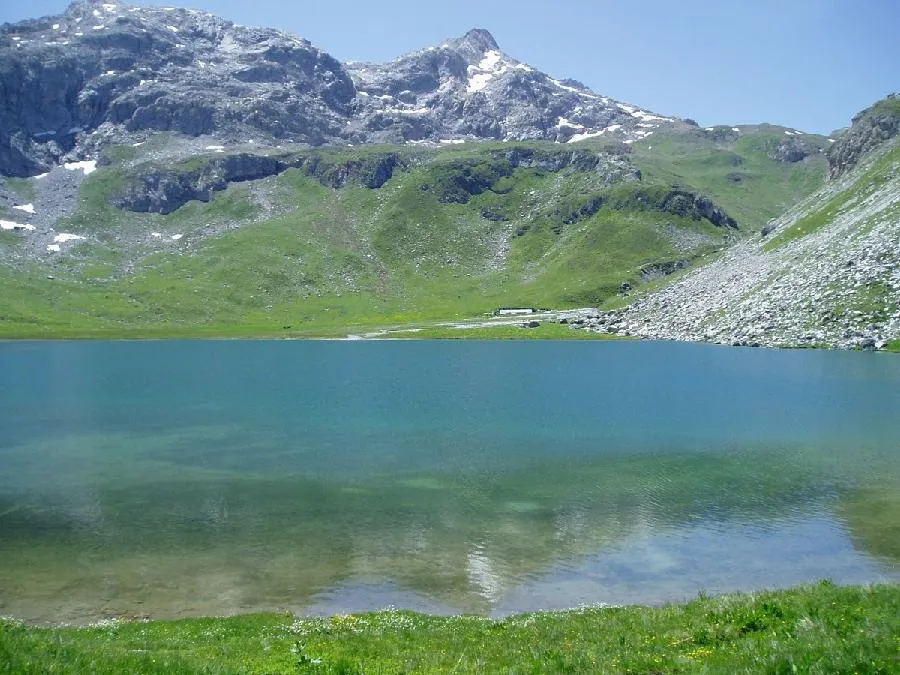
872, 127
105, 72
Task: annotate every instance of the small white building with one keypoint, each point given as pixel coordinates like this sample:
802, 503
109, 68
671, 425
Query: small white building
514, 311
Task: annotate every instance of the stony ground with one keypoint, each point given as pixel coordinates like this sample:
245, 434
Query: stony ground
837, 287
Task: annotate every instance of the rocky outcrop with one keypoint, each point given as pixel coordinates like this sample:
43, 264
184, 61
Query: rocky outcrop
104, 73
160, 190
676, 201
872, 127
793, 150
655, 271
458, 180
838, 286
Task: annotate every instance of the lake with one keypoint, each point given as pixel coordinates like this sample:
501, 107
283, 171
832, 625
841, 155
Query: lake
169, 479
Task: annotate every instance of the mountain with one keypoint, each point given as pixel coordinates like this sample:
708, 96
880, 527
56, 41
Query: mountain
171, 173
825, 273
104, 73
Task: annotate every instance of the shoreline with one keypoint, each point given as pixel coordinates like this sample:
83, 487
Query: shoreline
415, 335
813, 628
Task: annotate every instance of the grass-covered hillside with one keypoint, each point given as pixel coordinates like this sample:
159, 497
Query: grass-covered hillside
323, 242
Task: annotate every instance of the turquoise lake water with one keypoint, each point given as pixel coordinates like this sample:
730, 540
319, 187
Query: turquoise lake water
170, 479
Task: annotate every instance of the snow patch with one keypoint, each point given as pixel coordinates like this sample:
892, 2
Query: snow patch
100, 27
172, 28
10, 225
41, 175
216, 148
63, 237
44, 134
563, 122
735, 129
566, 87
109, 8
97, 13
408, 111
452, 141
88, 167
156, 235
647, 117
27, 208
56, 26
53, 248
176, 237
586, 135
491, 66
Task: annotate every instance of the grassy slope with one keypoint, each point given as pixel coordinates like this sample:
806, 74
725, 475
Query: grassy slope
820, 629
735, 170
867, 185
335, 261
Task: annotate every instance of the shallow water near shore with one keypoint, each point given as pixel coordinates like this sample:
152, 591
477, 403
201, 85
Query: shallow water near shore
169, 479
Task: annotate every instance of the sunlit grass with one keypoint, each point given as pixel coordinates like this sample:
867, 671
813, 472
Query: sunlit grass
813, 629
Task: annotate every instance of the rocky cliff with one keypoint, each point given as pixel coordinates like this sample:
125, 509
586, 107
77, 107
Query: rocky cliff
105, 72
871, 128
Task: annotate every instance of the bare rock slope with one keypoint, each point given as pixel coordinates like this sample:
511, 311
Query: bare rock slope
826, 273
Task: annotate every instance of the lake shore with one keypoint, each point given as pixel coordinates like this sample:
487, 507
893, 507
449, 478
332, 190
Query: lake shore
579, 324
818, 628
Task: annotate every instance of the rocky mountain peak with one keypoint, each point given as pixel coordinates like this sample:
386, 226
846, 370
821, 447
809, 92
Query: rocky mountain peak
474, 44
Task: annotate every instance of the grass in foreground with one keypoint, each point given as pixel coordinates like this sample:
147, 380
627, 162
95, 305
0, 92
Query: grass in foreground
813, 629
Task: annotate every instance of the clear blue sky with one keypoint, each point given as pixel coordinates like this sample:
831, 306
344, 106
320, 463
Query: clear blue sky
809, 64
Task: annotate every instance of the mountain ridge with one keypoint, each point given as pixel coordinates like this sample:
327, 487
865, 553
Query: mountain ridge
103, 73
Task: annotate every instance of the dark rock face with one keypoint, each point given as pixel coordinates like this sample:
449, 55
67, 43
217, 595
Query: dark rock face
163, 190
458, 181
104, 73
677, 202
664, 269
870, 128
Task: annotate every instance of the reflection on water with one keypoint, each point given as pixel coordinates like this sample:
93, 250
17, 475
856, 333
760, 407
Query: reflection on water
172, 479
